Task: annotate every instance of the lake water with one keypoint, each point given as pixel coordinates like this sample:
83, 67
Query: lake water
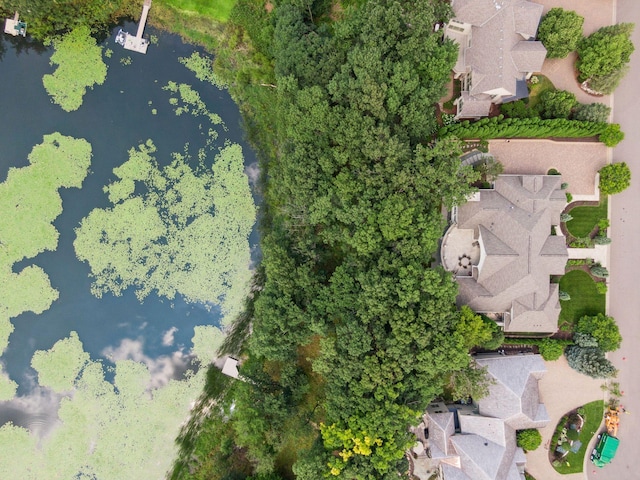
114, 117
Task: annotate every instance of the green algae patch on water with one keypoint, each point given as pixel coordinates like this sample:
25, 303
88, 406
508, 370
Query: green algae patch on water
30, 202
80, 66
191, 102
59, 367
202, 67
111, 431
186, 232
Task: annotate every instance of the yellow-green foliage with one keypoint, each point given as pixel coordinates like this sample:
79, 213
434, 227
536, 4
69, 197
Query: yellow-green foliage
123, 430
187, 234
202, 66
80, 66
30, 202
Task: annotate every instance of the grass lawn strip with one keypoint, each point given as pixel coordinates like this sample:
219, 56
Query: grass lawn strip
585, 218
575, 461
218, 10
585, 300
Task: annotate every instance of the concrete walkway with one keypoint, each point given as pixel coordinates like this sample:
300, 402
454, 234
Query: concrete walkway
562, 389
561, 71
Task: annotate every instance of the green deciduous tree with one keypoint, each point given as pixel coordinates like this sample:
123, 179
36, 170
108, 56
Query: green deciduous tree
605, 51
529, 439
590, 361
560, 31
471, 381
603, 328
556, 104
614, 178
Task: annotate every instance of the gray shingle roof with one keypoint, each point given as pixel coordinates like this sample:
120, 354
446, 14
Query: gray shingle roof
514, 397
500, 53
518, 253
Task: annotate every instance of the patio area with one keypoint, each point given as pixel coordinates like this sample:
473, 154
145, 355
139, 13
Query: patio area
460, 251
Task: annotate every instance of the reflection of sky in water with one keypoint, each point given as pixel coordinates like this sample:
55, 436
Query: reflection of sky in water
113, 118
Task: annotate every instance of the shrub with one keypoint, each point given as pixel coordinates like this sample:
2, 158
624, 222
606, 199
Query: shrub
605, 51
564, 296
614, 178
601, 240
565, 217
497, 335
529, 439
560, 31
612, 135
599, 271
603, 224
591, 112
590, 361
569, 197
584, 340
601, 288
553, 171
556, 104
603, 328
448, 119
534, 79
517, 109
582, 242
580, 261
564, 185
551, 349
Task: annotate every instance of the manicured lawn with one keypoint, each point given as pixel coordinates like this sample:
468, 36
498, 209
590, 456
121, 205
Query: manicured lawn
585, 300
574, 461
216, 9
585, 218
534, 94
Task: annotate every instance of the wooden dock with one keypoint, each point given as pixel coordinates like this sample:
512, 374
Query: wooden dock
136, 43
13, 26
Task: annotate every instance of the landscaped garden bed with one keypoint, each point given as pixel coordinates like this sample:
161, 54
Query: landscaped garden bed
588, 223
571, 438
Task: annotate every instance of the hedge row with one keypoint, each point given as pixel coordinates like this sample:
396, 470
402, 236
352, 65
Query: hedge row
500, 127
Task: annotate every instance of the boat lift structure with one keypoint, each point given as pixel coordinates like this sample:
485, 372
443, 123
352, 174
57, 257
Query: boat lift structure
13, 26
136, 43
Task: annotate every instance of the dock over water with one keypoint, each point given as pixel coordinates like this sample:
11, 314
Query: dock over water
13, 26
137, 43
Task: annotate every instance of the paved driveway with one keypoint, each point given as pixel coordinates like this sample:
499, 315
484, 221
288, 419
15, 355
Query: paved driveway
561, 71
624, 303
561, 390
577, 161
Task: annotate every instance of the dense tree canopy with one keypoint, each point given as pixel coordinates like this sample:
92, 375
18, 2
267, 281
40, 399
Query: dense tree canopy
605, 52
560, 31
354, 197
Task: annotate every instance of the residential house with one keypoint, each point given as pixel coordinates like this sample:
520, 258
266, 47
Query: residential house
478, 441
503, 247
496, 51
